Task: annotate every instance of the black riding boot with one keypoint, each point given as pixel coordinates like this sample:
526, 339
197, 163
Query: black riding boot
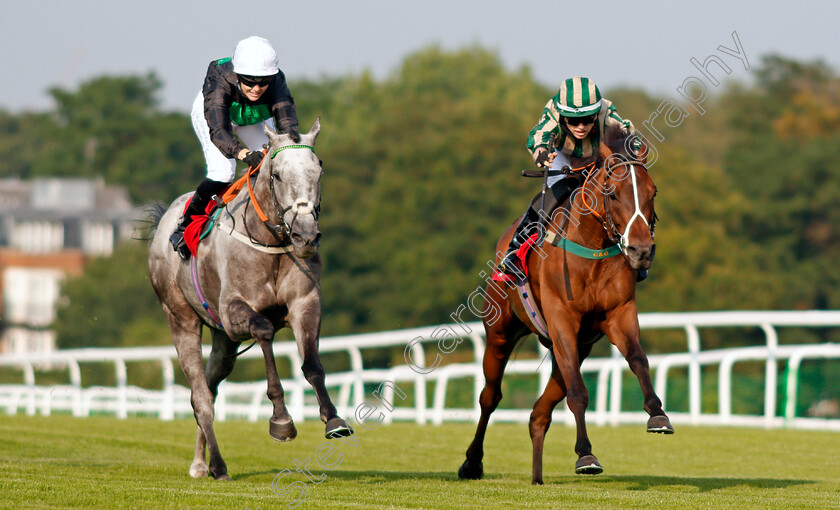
555, 196
200, 199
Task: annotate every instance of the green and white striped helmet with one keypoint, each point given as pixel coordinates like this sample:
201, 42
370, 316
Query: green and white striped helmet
578, 97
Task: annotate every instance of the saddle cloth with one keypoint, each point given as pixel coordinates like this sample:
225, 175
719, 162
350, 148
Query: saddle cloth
193, 233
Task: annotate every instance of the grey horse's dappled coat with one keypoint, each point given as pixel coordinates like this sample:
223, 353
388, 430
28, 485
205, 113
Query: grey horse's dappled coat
253, 290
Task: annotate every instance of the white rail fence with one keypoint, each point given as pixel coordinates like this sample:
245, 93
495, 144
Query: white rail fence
248, 400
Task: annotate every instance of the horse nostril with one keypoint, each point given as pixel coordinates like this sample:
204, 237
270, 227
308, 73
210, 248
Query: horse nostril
632, 249
317, 240
297, 238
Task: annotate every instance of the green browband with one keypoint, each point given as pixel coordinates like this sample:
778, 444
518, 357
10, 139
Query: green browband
582, 251
291, 147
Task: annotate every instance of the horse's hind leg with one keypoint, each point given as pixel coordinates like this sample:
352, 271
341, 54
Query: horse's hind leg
623, 332
219, 366
496, 355
187, 340
305, 322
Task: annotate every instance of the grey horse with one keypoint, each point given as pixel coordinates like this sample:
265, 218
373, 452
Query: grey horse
255, 273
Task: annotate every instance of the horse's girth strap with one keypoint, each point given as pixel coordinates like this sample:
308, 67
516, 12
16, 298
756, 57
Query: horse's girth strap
199, 294
532, 311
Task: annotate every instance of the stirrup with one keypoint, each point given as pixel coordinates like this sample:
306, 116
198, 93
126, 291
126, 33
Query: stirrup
183, 250
178, 243
508, 265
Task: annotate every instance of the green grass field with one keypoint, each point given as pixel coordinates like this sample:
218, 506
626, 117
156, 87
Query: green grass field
102, 462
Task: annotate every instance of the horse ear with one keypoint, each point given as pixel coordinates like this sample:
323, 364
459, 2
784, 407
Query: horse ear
272, 135
316, 128
643, 152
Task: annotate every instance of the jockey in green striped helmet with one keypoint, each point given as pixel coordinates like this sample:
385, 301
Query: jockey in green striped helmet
578, 97
573, 124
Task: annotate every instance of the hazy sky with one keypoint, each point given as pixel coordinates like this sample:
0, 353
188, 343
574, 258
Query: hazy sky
642, 43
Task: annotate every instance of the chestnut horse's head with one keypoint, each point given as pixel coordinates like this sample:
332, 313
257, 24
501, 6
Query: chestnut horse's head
629, 215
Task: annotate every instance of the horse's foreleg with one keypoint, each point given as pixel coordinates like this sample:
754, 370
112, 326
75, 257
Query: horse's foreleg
281, 426
568, 360
305, 321
496, 356
623, 332
188, 344
554, 392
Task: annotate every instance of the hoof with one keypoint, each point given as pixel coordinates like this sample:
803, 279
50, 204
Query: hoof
537, 482
469, 471
282, 431
199, 470
223, 477
337, 427
660, 425
588, 465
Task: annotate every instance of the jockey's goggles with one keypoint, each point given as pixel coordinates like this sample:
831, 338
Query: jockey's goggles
254, 81
576, 121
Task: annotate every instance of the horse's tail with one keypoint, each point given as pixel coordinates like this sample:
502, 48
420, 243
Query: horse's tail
148, 225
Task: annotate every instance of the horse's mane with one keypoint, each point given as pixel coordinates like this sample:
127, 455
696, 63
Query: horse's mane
616, 146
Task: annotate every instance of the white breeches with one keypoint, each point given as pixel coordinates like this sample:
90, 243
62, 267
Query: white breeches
221, 168
560, 160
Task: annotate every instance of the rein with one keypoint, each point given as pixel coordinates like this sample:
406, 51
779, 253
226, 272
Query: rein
281, 231
277, 230
608, 223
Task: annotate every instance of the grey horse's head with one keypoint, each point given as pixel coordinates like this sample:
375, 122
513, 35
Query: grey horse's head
295, 173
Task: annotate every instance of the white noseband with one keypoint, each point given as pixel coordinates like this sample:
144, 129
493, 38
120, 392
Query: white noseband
625, 241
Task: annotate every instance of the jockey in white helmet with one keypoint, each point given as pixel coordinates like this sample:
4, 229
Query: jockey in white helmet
239, 95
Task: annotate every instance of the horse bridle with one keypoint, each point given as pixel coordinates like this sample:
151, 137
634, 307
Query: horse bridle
282, 230
283, 227
613, 234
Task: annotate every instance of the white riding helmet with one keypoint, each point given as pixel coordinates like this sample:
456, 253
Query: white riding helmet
255, 56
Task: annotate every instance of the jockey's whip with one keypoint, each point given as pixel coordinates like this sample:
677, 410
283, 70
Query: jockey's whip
542, 198
545, 181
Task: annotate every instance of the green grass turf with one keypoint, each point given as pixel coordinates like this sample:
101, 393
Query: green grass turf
102, 462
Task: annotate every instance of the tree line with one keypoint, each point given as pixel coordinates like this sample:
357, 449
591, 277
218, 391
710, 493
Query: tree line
421, 176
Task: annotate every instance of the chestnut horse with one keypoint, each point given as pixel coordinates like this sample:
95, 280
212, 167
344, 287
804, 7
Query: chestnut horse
582, 299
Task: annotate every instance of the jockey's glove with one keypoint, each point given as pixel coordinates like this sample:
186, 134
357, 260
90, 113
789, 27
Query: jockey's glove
253, 158
542, 159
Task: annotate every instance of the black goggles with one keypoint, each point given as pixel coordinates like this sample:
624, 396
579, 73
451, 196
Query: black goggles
254, 81
576, 121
